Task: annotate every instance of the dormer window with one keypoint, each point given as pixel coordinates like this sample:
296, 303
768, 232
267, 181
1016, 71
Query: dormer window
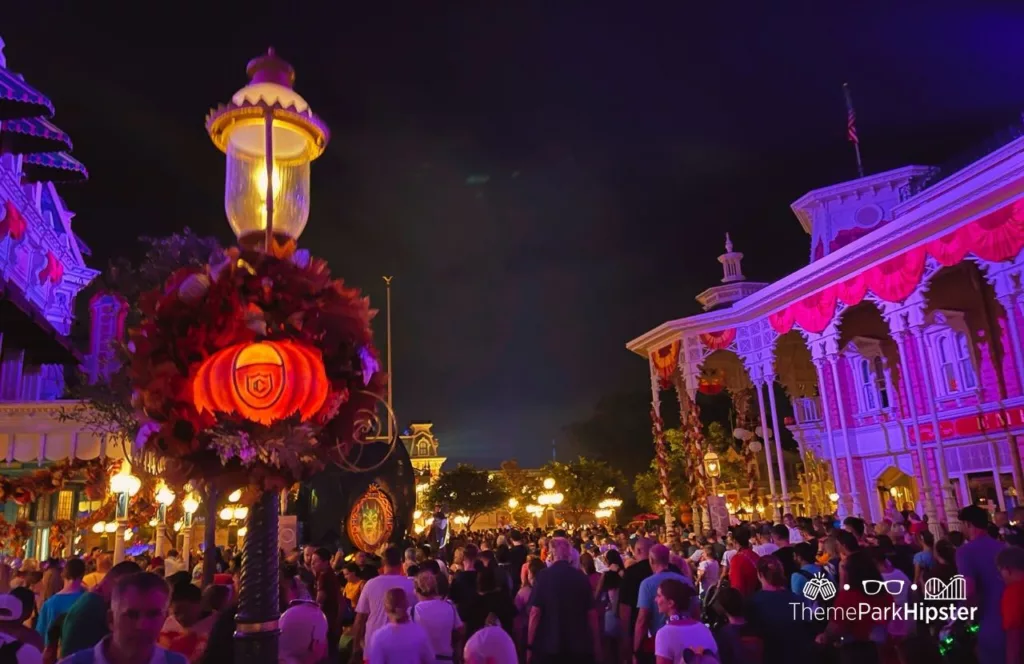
952, 357
870, 375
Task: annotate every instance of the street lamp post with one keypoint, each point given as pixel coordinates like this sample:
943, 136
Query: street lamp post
190, 505
270, 135
713, 469
550, 498
123, 485
164, 498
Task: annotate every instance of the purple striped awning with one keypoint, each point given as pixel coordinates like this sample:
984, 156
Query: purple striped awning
18, 99
53, 167
32, 135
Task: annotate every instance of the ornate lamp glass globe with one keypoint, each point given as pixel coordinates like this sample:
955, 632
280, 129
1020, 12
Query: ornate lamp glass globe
711, 465
98, 527
240, 513
190, 504
418, 514
177, 526
128, 534
125, 482
110, 527
513, 503
834, 497
235, 496
549, 483
243, 531
227, 513
153, 523
270, 136
164, 495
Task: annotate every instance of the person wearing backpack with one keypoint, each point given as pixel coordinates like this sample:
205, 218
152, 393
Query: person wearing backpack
438, 617
12, 649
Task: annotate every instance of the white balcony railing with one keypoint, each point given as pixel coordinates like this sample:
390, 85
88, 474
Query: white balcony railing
807, 410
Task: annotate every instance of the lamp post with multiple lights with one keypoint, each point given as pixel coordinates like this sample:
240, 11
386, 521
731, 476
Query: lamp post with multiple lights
123, 485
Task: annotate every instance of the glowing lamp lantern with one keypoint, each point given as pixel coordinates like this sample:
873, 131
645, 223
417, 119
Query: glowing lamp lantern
270, 135
235, 496
513, 503
549, 483
110, 527
124, 485
263, 381
98, 527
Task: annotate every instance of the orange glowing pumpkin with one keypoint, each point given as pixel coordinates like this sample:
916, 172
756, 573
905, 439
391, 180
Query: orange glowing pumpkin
263, 381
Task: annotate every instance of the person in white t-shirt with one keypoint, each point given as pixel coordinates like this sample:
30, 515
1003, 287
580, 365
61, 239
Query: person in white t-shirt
370, 612
707, 569
438, 617
490, 645
765, 545
400, 641
681, 639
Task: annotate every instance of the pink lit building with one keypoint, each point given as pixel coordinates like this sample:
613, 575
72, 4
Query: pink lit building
905, 326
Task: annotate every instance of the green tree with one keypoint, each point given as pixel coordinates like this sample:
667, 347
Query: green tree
108, 403
469, 491
522, 485
583, 484
647, 485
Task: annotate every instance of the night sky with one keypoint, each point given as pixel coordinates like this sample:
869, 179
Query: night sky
544, 183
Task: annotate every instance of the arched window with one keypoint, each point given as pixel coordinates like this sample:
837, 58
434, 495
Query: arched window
871, 382
880, 385
952, 355
868, 386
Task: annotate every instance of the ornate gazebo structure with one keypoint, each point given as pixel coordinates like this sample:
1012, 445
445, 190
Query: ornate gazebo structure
898, 345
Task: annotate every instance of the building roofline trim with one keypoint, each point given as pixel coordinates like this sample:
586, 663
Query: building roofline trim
995, 181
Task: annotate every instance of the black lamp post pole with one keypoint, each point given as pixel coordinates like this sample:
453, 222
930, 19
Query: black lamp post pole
258, 608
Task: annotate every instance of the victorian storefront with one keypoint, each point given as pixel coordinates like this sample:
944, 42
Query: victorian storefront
898, 345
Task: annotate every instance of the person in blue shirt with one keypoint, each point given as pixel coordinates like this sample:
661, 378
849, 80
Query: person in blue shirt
57, 605
649, 620
803, 553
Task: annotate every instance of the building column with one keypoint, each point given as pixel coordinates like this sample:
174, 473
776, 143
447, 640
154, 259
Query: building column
924, 482
854, 497
758, 384
819, 365
948, 500
770, 383
1011, 303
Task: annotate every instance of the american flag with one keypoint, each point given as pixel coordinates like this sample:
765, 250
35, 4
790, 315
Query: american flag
851, 118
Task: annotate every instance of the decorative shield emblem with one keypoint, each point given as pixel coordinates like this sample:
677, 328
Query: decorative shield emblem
259, 375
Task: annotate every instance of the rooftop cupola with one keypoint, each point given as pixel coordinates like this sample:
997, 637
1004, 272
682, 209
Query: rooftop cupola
734, 286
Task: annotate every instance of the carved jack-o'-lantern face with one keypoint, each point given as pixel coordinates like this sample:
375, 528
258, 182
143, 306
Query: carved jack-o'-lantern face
263, 382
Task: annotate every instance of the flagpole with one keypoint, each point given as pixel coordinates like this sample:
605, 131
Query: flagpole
851, 128
391, 377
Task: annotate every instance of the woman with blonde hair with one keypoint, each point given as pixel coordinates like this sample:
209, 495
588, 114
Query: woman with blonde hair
438, 617
401, 641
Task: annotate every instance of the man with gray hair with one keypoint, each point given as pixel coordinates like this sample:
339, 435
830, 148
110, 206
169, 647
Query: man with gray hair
563, 623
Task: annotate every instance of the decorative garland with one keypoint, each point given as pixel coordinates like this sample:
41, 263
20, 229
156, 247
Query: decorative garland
14, 534
26, 489
245, 298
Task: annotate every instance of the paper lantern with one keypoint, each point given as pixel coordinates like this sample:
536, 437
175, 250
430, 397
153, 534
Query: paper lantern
263, 381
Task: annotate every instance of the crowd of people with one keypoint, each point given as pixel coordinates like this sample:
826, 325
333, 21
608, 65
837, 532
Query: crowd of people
644, 595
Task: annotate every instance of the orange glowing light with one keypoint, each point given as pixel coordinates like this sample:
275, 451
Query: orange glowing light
263, 382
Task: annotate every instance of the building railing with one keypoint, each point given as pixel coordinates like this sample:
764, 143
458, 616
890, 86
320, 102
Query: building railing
807, 410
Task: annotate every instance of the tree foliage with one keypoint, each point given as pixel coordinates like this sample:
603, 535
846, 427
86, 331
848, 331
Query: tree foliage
107, 405
647, 485
522, 485
469, 491
584, 483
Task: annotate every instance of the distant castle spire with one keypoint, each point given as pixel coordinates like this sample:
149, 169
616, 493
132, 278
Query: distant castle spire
730, 261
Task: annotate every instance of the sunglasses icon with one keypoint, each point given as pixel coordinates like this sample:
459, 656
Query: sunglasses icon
892, 586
